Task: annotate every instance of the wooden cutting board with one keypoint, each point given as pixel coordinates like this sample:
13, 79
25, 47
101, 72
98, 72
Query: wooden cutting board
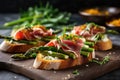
86, 72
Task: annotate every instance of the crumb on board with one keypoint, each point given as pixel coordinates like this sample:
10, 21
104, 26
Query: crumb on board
110, 53
87, 65
66, 77
69, 75
97, 58
54, 71
15, 77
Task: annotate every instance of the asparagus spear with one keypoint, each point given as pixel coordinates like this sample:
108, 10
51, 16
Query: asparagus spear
21, 56
91, 44
55, 54
41, 48
31, 51
112, 32
5, 37
71, 55
21, 20
87, 49
32, 42
84, 53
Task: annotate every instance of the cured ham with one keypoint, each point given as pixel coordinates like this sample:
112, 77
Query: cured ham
32, 33
73, 46
88, 30
94, 33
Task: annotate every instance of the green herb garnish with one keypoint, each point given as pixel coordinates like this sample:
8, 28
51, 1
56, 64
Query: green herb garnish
104, 61
76, 72
112, 32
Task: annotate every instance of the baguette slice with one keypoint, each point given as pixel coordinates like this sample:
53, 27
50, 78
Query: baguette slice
7, 46
103, 45
58, 64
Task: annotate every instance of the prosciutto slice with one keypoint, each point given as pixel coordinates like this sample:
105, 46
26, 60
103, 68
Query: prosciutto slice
68, 45
79, 30
32, 33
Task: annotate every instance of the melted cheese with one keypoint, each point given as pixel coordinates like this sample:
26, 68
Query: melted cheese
5, 45
105, 38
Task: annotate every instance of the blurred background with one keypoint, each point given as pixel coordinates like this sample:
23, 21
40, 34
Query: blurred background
14, 6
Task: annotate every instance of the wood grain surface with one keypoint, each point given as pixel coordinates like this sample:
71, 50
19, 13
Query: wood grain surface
86, 72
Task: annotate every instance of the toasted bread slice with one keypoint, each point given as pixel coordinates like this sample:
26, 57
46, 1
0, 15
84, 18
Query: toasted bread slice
7, 46
103, 45
57, 64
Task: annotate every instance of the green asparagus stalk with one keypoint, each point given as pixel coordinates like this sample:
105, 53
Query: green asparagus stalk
112, 32
21, 20
91, 44
41, 48
32, 42
31, 51
71, 55
84, 53
55, 54
20, 56
5, 37
87, 49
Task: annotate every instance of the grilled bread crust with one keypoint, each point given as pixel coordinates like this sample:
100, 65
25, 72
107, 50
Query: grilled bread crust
103, 45
58, 64
7, 46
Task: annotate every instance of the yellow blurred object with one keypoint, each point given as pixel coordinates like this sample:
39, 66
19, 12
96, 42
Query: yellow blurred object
96, 12
115, 22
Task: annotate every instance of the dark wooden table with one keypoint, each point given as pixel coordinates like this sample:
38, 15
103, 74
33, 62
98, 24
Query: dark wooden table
7, 75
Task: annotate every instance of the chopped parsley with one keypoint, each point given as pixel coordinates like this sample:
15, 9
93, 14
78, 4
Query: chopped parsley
76, 72
104, 61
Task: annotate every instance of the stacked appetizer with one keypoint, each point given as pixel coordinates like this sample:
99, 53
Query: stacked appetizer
25, 38
63, 52
94, 33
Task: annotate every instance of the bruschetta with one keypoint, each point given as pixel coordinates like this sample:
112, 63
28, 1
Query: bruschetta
94, 33
64, 52
26, 38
